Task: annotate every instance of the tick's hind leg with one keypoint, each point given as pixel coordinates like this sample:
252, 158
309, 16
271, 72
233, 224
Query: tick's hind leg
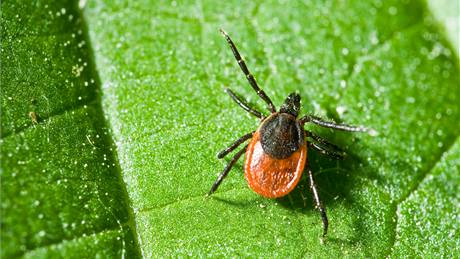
226, 170
325, 147
317, 200
329, 124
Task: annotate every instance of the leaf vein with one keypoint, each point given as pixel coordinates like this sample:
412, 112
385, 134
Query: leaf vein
395, 205
191, 198
380, 45
89, 102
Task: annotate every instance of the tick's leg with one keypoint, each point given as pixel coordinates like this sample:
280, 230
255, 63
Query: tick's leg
325, 147
226, 170
243, 104
319, 205
234, 145
324, 151
329, 124
323, 141
248, 74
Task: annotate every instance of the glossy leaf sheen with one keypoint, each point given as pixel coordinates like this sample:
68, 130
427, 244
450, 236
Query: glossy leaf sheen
61, 192
162, 68
381, 64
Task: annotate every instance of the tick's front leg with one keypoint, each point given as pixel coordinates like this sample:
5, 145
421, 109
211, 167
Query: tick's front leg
332, 125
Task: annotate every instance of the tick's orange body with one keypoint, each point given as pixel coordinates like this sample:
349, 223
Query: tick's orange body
271, 177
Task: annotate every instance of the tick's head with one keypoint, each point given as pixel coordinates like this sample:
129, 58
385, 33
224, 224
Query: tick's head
291, 105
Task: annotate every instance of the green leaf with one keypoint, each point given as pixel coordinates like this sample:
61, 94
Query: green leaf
430, 214
161, 67
382, 64
61, 192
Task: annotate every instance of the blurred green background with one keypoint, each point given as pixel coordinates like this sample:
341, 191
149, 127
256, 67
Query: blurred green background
112, 113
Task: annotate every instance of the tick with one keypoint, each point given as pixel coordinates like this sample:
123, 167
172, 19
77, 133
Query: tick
276, 156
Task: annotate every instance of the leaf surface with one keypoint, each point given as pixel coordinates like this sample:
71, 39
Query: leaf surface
61, 191
74, 185
382, 64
